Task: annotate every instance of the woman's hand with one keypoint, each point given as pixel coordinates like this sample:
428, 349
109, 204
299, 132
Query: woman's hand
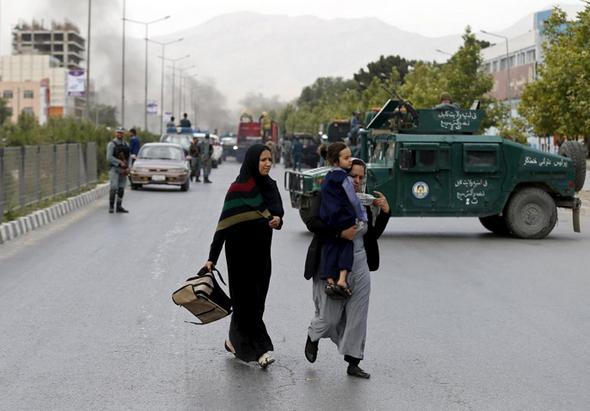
275, 222
349, 233
210, 266
381, 202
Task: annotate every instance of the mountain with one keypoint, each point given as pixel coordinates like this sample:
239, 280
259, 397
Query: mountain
278, 55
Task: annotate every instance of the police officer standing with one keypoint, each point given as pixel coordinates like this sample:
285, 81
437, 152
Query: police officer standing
206, 151
195, 155
118, 154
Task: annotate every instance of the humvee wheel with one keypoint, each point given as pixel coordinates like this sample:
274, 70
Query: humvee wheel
575, 151
531, 213
496, 224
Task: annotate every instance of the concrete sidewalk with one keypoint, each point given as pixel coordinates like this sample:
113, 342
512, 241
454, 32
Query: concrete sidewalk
13, 229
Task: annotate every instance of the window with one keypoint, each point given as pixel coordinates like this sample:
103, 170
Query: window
58, 36
26, 37
28, 110
530, 56
480, 157
419, 157
7, 94
494, 66
28, 94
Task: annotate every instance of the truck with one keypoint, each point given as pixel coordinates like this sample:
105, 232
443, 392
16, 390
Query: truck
432, 163
250, 132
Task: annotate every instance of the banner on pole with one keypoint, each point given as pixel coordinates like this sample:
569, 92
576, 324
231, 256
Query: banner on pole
76, 83
152, 107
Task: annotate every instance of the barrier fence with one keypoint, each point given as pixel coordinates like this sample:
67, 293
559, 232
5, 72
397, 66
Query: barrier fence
31, 174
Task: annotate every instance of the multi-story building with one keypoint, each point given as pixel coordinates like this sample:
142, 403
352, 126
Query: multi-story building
47, 53
513, 61
36, 68
62, 41
31, 97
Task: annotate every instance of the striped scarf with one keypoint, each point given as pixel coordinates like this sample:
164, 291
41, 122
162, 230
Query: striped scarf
243, 202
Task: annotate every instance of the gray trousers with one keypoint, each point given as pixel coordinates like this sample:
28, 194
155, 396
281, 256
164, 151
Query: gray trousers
344, 321
116, 180
196, 167
206, 166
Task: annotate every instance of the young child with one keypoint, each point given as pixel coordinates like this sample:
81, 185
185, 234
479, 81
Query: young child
340, 209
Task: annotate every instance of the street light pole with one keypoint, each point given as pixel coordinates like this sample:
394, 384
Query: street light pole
88, 62
508, 85
123, 71
146, 24
164, 44
181, 105
173, 61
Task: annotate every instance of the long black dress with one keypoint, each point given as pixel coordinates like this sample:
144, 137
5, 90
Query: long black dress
247, 250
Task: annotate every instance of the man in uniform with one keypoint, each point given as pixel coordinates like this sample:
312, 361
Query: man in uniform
206, 151
446, 103
193, 151
118, 154
265, 126
185, 122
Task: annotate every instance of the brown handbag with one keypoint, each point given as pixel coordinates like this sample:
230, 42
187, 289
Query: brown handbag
203, 297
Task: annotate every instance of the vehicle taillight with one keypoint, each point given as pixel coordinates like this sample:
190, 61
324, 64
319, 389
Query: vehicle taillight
570, 184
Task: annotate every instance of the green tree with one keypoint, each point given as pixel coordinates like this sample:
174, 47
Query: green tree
382, 69
558, 102
462, 77
5, 111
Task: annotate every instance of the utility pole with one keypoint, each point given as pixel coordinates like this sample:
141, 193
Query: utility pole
123, 72
88, 61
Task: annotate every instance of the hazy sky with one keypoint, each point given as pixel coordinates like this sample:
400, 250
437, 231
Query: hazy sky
427, 17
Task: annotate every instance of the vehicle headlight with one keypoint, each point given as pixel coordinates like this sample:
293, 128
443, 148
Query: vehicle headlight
139, 169
178, 169
235, 147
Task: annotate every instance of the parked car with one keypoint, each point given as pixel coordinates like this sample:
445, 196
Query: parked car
216, 158
183, 140
160, 163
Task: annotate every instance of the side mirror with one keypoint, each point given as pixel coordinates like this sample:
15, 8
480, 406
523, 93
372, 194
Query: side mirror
405, 159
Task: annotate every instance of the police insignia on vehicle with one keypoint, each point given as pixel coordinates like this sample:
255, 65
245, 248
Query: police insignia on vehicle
420, 190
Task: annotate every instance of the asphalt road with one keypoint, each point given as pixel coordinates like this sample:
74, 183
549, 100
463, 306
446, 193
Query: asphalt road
459, 318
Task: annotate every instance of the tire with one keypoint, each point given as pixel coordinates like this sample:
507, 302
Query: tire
531, 213
496, 224
186, 185
575, 151
135, 186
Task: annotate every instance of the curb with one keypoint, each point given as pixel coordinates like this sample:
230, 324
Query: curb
16, 228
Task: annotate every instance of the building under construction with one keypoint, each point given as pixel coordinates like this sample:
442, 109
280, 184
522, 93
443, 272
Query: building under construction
61, 41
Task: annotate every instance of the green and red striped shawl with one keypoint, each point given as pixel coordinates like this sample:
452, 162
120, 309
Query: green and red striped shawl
243, 202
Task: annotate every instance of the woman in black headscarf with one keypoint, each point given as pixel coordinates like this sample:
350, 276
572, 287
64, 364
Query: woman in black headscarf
252, 209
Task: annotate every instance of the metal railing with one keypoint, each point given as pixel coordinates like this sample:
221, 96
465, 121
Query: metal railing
31, 174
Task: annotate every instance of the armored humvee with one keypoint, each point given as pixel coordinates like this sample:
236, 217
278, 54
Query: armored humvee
430, 163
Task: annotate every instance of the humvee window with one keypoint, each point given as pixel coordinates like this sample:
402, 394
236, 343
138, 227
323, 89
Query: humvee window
383, 153
427, 157
482, 158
